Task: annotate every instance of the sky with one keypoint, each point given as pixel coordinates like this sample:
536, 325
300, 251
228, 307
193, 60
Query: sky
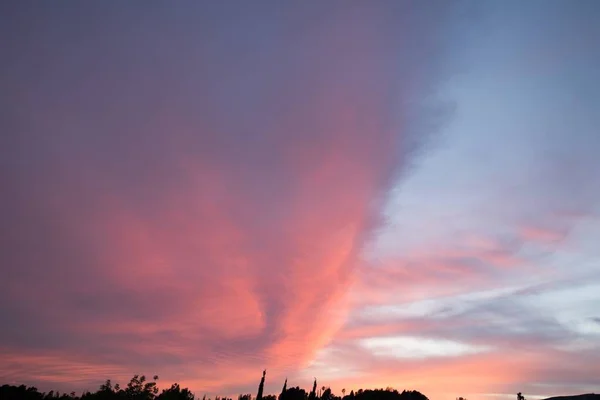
385, 193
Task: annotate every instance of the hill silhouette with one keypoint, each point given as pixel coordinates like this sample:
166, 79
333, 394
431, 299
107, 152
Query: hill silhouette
588, 396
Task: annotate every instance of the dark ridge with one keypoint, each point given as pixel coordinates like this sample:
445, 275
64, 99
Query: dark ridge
587, 396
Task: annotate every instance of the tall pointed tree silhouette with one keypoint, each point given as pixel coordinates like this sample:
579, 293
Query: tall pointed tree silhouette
313, 393
282, 394
261, 386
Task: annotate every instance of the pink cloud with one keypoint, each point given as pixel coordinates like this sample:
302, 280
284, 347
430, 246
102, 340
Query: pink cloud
202, 220
425, 272
543, 235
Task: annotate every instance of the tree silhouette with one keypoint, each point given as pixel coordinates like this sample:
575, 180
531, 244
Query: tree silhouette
327, 394
283, 390
140, 388
261, 386
313, 392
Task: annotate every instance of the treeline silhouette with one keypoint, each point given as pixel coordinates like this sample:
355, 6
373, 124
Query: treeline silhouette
140, 388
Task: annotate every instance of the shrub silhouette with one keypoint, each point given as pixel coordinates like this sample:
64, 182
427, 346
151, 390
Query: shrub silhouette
175, 393
295, 393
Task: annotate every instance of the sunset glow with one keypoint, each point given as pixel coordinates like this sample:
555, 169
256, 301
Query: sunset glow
372, 193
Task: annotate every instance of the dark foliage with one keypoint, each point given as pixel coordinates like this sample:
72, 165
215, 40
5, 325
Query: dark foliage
386, 394
140, 388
